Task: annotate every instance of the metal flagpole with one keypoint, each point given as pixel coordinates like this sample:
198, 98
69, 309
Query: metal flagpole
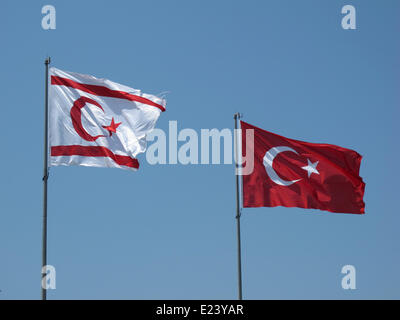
237, 117
45, 176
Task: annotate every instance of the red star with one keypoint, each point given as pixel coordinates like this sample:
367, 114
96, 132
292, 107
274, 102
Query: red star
112, 127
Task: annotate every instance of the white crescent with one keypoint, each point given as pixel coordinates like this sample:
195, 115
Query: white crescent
268, 161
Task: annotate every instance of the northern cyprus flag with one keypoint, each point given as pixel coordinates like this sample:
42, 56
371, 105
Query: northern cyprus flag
98, 123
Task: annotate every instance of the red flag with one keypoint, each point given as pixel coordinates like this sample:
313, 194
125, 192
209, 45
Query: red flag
294, 173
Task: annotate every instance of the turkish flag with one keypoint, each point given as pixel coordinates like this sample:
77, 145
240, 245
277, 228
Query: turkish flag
294, 173
98, 123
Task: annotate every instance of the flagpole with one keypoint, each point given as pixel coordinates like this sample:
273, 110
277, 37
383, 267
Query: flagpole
240, 297
45, 177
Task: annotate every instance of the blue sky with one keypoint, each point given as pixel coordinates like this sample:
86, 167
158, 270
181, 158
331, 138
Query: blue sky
168, 231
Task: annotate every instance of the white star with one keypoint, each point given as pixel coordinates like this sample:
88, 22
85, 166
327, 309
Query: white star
311, 167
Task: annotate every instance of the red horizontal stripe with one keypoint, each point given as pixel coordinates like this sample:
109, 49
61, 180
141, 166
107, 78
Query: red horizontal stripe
94, 151
103, 91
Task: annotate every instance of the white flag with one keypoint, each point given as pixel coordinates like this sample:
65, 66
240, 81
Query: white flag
97, 122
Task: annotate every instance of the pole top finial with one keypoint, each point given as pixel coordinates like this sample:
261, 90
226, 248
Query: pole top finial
47, 61
237, 115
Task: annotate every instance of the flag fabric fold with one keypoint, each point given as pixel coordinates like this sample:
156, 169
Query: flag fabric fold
97, 122
294, 173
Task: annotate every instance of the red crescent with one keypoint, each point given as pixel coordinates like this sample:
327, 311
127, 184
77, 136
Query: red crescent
76, 116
